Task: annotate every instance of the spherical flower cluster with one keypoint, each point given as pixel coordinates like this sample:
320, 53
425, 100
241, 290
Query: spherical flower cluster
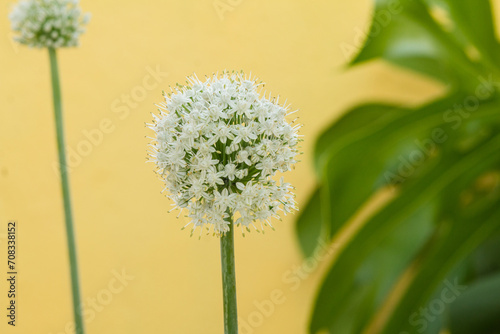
219, 147
48, 23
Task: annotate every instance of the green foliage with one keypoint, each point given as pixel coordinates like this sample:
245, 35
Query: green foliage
442, 161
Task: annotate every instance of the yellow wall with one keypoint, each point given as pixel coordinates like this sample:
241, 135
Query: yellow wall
121, 217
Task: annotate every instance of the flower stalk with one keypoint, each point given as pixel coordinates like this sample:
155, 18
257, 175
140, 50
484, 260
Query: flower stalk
68, 216
229, 280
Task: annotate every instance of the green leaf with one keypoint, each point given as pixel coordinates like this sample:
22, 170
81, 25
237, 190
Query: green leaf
462, 230
477, 310
390, 149
463, 237
309, 225
486, 259
435, 220
353, 124
341, 279
474, 19
358, 123
404, 33
381, 268
360, 161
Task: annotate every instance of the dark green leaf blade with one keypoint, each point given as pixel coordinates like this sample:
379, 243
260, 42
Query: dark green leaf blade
408, 36
354, 123
309, 225
477, 310
463, 237
475, 20
340, 279
360, 162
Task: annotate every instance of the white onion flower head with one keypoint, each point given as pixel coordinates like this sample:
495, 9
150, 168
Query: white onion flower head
48, 23
219, 147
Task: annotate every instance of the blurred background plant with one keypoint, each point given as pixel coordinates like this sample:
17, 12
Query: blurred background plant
411, 194
55, 24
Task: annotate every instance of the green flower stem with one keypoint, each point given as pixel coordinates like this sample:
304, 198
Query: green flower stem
229, 280
75, 286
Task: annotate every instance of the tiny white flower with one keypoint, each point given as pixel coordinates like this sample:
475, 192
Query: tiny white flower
230, 171
245, 133
223, 133
218, 146
224, 199
214, 178
48, 23
241, 173
243, 156
266, 165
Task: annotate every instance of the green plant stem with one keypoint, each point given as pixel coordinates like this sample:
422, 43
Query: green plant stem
75, 286
229, 280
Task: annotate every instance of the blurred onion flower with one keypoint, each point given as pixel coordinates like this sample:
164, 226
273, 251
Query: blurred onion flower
48, 23
53, 24
218, 148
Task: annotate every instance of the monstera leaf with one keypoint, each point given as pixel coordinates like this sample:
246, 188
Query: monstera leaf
440, 160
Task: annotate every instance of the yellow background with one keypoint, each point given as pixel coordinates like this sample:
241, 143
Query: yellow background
121, 217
